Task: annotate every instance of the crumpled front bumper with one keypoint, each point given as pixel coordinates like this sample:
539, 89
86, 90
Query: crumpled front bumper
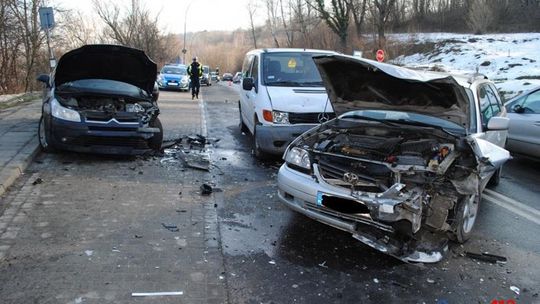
302, 193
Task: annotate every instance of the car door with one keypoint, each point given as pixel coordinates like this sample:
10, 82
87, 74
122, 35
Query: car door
524, 130
249, 105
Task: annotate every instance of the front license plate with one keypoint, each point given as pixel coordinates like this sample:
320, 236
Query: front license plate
172, 83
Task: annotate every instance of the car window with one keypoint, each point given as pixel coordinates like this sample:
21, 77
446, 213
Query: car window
532, 103
174, 70
246, 66
288, 69
488, 104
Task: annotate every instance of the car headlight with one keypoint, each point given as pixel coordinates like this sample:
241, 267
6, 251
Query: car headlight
298, 157
280, 117
184, 80
58, 111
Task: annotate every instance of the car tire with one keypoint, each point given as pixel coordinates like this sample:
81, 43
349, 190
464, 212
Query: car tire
465, 218
243, 127
495, 179
155, 142
257, 151
43, 137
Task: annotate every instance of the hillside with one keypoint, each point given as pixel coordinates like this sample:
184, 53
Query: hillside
511, 60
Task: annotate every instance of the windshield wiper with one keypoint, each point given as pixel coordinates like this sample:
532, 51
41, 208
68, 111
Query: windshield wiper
422, 124
285, 83
356, 116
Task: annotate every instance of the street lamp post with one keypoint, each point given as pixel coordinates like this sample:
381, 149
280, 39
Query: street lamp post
184, 51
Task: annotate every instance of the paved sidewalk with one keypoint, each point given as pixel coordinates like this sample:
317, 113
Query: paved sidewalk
97, 229
18, 141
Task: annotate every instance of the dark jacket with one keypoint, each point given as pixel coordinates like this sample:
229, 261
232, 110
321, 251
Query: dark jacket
194, 71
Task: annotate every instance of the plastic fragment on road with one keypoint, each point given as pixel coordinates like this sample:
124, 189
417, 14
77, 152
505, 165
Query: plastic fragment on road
206, 189
171, 228
38, 181
272, 262
515, 289
323, 264
157, 294
486, 257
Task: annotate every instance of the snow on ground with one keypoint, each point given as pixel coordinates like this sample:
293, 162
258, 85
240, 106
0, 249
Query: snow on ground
512, 61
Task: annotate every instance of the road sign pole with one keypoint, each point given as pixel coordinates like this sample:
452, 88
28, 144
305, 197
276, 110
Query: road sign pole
52, 60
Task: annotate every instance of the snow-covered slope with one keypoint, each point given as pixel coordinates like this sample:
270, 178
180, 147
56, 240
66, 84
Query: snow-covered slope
511, 60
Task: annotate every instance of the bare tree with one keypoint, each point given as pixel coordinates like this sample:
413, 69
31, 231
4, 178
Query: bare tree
252, 9
358, 10
271, 10
26, 17
480, 16
337, 19
381, 11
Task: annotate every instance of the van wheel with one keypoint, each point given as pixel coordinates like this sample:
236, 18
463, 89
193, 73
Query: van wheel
243, 127
155, 142
466, 214
259, 154
43, 137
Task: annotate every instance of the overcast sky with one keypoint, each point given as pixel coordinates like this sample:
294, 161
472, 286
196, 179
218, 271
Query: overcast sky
202, 15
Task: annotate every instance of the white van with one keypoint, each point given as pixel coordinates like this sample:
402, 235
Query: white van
281, 97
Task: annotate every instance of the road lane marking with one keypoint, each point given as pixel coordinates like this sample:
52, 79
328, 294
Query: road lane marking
512, 209
506, 199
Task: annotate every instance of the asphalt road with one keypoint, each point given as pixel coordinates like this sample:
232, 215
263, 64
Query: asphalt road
276, 256
94, 229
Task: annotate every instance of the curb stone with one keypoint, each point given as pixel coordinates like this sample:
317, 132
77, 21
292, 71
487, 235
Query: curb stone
15, 167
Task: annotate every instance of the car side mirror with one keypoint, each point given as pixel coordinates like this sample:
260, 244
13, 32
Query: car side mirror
498, 123
45, 79
518, 109
248, 84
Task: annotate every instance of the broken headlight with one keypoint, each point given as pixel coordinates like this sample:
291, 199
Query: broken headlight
298, 157
60, 112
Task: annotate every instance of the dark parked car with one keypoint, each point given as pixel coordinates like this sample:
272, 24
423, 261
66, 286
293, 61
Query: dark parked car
524, 131
101, 99
227, 77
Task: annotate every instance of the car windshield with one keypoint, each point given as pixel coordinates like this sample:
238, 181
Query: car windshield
174, 70
290, 69
102, 86
205, 69
404, 117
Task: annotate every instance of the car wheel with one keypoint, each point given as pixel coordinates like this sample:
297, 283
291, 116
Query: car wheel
243, 127
259, 154
495, 178
43, 137
155, 142
467, 212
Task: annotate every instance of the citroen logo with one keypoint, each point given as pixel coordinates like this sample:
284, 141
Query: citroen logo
323, 117
350, 178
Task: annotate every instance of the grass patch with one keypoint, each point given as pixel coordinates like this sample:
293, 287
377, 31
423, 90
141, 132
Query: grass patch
528, 77
21, 99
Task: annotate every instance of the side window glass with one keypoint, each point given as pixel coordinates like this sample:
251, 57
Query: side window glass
493, 101
485, 106
499, 97
255, 69
532, 103
246, 71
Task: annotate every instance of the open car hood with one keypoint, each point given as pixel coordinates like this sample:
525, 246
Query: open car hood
111, 62
359, 84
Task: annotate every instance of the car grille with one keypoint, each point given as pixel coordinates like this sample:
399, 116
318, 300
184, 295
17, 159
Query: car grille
299, 118
369, 174
134, 142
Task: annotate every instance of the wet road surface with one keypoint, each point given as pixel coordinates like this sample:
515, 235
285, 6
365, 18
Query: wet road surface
274, 255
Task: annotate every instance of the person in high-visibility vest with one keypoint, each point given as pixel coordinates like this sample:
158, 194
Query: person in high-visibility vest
195, 73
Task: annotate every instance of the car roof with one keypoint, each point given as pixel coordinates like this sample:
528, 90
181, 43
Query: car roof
289, 50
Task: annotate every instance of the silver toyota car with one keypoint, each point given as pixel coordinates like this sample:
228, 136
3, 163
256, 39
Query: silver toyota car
404, 165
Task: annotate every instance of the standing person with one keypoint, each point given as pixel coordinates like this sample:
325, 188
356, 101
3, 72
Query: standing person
195, 72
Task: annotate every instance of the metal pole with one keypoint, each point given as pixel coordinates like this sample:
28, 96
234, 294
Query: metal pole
51, 55
184, 51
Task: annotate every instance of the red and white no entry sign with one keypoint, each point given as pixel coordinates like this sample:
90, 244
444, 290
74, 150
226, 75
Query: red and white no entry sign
380, 55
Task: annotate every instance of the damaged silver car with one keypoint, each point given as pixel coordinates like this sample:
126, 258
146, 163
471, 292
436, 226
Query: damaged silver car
404, 165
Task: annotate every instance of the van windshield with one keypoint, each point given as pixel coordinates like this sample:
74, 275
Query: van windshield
290, 69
